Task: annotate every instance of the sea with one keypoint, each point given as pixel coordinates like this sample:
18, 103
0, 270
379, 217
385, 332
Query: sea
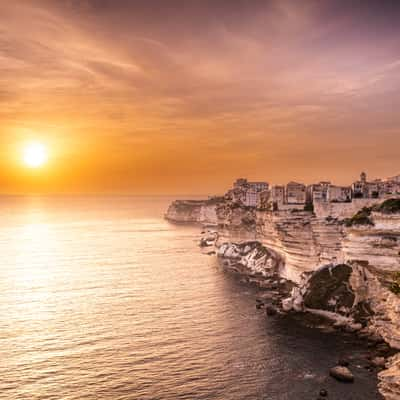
102, 298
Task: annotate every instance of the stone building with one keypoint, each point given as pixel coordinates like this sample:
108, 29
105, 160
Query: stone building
277, 195
373, 189
368, 190
264, 200
359, 188
317, 191
389, 187
247, 193
295, 193
239, 183
251, 197
339, 194
394, 179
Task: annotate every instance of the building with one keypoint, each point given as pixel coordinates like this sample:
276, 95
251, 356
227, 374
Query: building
368, 190
317, 191
359, 188
295, 193
258, 186
264, 200
373, 189
339, 194
395, 179
240, 182
247, 193
389, 187
277, 195
251, 198
363, 177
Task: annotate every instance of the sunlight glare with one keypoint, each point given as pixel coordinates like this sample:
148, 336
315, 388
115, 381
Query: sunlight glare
35, 155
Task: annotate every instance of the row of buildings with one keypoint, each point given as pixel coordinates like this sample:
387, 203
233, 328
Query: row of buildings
298, 195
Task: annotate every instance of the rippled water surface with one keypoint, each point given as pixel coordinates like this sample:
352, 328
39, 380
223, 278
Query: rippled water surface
100, 298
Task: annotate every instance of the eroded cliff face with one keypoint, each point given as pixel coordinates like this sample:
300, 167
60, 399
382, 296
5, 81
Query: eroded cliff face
389, 384
304, 241
341, 270
193, 211
374, 253
307, 243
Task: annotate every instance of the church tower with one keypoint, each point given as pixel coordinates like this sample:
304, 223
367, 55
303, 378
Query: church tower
363, 177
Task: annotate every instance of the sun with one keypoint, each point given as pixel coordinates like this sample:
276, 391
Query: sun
35, 155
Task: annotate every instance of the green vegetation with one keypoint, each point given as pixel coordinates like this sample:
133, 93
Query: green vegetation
309, 207
362, 217
390, 206
395, 286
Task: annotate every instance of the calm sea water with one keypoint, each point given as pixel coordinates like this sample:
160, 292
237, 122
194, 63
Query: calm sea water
100, 298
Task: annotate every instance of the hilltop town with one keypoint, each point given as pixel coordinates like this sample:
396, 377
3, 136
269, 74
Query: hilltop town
324, 249
299, 196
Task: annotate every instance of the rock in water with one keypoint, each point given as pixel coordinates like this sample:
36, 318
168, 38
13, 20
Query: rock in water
329, 289
270, 311
342, 374
323, 393
343, 362
378, 362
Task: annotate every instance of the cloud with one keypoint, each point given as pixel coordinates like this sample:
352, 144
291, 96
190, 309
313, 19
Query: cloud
210, 80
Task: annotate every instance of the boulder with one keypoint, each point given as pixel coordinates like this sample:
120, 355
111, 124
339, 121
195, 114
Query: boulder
378, 362
323, 393
343, 362
287, 304
270, 311
205, 243
329, 289
383, 349
353, 327
342, 374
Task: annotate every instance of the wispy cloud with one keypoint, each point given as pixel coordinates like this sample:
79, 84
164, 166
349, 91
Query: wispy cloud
207, 81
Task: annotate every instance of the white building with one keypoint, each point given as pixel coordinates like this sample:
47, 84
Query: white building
339, 194
278, 194
317, 191
240, 182
394, 179
258, 186
263, 199
251, 198
247, 193
295, 193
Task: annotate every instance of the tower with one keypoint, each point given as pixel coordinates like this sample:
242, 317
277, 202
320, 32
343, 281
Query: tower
363, 177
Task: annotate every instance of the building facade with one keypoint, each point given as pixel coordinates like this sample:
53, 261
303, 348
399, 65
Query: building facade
339, 194
295, 193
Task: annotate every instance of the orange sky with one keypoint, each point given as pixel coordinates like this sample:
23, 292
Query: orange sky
156, 97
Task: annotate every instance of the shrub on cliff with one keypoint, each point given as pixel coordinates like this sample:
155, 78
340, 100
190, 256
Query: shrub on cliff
362, 217
390, 206
395, 286
309, 207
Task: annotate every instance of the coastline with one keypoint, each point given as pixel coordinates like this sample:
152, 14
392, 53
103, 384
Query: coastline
272, 250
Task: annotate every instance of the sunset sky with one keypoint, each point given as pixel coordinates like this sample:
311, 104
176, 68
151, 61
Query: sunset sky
168, 97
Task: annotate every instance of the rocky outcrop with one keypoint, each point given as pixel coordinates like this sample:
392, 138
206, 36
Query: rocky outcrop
252, 256
344, 269
329, 289
342, 374
389, 382
193, 211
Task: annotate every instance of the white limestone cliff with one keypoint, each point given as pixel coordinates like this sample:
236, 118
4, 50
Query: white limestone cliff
359, 293
192, 211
